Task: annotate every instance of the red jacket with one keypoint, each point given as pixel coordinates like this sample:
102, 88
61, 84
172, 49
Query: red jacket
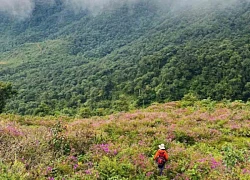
160, 151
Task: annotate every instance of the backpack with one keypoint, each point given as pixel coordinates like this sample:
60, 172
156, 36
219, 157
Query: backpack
161, 159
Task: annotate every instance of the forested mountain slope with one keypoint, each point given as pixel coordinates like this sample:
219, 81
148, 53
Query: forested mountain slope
87, 63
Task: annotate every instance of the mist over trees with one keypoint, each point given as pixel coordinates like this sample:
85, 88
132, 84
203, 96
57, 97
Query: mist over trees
23, 9
98, 60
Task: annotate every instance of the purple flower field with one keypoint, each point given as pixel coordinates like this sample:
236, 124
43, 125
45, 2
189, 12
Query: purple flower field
205, 140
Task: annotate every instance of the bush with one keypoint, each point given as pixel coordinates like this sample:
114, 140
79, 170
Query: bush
232, 156
113, 169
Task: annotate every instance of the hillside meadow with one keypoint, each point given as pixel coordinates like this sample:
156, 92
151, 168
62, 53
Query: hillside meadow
205, 140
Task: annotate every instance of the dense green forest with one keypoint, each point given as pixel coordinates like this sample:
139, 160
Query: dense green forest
65, 62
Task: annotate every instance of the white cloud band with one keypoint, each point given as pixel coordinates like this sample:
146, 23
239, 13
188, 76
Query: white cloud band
23, 8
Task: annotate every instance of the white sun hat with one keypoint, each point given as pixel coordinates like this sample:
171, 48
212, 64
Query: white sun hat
162, 146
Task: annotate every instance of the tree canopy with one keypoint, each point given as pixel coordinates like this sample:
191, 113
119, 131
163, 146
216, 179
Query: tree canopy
6, 92
65, 62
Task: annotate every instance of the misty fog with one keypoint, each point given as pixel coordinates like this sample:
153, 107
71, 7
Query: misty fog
24, 8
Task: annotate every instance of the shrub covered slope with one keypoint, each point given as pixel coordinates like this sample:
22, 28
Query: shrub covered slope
204, 139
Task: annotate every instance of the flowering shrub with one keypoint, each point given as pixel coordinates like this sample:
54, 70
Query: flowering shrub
204, 139
58, 141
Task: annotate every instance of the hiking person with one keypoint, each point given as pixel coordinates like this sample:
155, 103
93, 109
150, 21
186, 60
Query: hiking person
161, 157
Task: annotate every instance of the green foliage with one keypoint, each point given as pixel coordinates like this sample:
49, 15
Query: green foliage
112, 169
233, 156
194, 173
6, 92
85, 112
62, 62
16, 172
58, 142
182, 137
189, 100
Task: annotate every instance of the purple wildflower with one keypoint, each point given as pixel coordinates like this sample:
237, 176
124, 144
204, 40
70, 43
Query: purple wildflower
13, 131
246, 171
115, 152
214, 163
75, 166
105, 147
88, 171
49, 168
149, 174
73, 158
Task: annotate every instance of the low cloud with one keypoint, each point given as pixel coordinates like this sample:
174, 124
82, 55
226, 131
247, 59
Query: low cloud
23, 8
17, 8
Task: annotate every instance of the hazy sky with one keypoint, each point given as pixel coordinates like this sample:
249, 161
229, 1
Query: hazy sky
23, 8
